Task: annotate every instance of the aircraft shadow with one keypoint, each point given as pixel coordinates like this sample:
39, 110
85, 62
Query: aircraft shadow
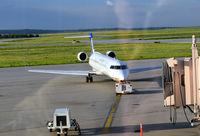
147, 92
95, 81
148, 79
135, 128
157, 79
103, 80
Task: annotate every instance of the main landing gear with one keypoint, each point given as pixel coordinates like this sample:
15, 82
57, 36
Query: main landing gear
89, 79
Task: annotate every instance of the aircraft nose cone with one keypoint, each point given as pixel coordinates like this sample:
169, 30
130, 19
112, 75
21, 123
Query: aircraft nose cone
123, 75
121, 78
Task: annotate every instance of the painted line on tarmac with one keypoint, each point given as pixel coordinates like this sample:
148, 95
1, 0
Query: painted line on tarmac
111, 114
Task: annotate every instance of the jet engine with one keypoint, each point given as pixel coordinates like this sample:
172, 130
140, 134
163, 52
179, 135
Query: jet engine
111, 54
82, 56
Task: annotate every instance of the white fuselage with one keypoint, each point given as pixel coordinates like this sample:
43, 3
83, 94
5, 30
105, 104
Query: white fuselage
111, 67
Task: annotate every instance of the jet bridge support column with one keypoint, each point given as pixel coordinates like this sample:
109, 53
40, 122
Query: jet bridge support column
196, 76
181, 82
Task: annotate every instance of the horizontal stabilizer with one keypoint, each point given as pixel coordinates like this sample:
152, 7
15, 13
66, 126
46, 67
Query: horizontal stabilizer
84, 36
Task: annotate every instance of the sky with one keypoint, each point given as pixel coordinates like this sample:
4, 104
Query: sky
90, 14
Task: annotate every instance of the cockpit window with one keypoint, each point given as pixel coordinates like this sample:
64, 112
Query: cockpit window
118, 67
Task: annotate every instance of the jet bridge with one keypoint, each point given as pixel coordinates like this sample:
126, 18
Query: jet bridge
181, 84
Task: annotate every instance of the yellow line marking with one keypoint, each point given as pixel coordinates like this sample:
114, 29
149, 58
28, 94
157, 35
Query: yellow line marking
111, 114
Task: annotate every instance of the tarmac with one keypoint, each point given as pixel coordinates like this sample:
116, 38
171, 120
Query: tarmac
28, 100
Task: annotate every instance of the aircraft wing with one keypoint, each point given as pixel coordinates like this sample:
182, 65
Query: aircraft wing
135, 70
64, 72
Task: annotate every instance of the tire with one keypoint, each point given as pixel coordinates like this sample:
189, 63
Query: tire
91, 79
79, 132
87, 79
79, 129
47, 123
65, 131
50, 130
58, 134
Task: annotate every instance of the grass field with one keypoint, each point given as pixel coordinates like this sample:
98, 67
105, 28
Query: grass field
12, 57
60, 54
144, 34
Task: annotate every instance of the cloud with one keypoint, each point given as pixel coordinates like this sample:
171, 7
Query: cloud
124, 13
158, 4
161, 3
109, 3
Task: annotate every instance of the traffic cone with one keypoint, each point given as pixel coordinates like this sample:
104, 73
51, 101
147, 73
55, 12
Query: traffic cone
141, 129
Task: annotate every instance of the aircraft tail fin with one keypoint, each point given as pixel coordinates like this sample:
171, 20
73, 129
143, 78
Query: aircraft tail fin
91, 42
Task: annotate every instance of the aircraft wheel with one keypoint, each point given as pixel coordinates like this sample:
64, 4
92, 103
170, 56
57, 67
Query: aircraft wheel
66, 133
87, 79
91, 79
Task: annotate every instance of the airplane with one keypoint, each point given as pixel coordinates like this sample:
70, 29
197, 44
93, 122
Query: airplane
102, 64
